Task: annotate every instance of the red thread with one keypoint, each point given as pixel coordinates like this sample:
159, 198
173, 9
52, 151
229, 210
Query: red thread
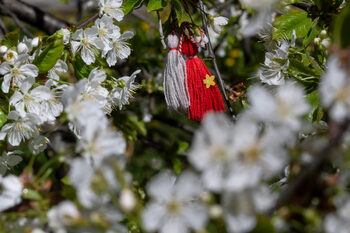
202, 99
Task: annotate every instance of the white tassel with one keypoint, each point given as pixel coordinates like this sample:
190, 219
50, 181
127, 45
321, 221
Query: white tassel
175, 78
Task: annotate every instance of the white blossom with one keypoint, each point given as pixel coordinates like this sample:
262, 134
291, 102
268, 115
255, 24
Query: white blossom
335, 90
211, 150
62, 215
66, 35
339, 222
256, 157
123, 90
22, 128
283, 108
10, 192
120, 48
80, 175
276, 63
217, 23
16, 74
98, 143
86, 41
106, 31
241, 208
112, 8
60, 67
175, 205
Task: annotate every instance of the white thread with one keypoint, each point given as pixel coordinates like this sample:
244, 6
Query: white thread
175, 78
161, 31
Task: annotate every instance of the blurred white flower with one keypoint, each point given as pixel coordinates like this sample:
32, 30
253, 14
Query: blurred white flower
112, 8
80, 175
211, 150
98, 143
335, 90
175, 205
339, 222
16, 74
240, 209
22, 128
10, 191
285, 108
257, 156
62, 215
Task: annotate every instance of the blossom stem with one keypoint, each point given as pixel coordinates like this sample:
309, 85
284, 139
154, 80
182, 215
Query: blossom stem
213, 57
89, 20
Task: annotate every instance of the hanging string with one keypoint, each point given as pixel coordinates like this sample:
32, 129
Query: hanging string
161, 31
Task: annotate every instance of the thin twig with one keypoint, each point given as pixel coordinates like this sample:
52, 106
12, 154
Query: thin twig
17, 21
301, 6
88, 21
3, 29
33, 15
312, 172
213, 57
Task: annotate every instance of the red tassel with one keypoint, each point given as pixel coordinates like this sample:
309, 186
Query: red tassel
204, 93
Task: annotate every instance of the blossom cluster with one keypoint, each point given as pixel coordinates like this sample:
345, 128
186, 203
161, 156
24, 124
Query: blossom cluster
36, 102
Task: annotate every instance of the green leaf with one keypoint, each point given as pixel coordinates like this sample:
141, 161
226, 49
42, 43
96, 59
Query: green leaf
182, 147
12, 38
139, 126
316, 114
179, 11
80, 68
313, 32
286, 24
3, 118
65, 180
49, 56
129, 5
154, 5
177, 166
31, 195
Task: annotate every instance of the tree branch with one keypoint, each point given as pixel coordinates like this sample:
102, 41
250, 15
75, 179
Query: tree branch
213, 57
33, 15
17, 21
311, 172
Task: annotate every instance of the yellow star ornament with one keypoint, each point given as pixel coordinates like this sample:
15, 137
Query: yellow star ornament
209, 81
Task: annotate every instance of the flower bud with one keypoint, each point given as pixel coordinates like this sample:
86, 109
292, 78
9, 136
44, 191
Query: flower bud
3, 49
326, 42
317, 40
323, 33
35, 42
127, 200
22, 48
215, 211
